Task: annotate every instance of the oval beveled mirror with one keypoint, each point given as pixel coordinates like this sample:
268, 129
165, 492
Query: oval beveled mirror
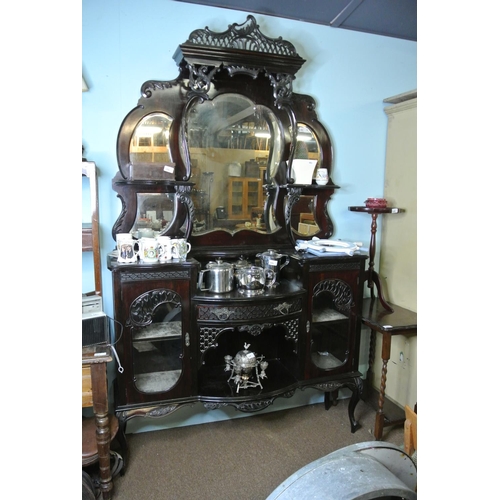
155, 212
235, 147
150, 141
303, 216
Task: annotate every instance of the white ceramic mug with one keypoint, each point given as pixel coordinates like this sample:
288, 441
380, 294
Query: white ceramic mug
322, 176
125, 245
164, 248
180, 248
148, 250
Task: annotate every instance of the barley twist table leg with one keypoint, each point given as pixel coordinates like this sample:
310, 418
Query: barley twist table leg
379, 418
371, 355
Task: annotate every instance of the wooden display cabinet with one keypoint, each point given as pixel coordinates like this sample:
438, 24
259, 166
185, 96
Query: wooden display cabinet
232, 86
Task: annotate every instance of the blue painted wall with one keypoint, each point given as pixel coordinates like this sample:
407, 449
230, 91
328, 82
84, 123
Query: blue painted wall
125, 42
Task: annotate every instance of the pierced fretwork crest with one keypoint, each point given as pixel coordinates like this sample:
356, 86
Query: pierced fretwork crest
248, 41
245, 36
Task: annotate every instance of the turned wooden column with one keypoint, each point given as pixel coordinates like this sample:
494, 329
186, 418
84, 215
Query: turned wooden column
372, 276
98, 399
103, 434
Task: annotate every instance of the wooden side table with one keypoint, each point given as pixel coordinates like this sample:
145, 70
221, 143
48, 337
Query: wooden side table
379, 319
372, 276
95, 395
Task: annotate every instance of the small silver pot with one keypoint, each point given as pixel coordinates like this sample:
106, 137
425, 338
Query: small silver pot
218, 277
251, 278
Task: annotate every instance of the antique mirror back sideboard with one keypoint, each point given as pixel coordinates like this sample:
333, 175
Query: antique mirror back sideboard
226, 156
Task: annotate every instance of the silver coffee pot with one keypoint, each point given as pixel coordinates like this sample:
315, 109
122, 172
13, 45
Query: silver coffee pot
274, 261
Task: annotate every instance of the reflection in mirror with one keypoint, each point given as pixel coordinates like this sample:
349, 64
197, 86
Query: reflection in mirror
155, 212
303, 215
307, 145
306, 158
149, 142
235, 147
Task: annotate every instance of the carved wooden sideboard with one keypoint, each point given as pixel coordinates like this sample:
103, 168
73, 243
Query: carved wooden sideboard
230, 114
175, 337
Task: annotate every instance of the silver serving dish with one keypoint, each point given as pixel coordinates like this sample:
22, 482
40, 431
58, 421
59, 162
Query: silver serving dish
244, 368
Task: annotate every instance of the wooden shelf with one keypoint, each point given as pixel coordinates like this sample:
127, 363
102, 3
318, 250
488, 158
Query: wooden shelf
160, 331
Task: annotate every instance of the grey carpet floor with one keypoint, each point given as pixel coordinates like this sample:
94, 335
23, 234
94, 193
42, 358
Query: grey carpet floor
240, 459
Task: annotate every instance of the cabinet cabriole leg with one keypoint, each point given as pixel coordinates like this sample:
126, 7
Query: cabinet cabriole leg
357, 389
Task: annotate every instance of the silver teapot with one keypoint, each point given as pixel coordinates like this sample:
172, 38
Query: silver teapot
217, 277
252, 278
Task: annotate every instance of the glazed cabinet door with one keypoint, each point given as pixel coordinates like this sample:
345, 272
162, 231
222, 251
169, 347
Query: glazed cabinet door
156, 344
333, 329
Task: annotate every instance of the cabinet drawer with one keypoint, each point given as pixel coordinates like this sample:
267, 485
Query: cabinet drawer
86, 386
271, 309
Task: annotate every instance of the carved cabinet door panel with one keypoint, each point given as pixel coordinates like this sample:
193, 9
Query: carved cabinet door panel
155, 346
333, 331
